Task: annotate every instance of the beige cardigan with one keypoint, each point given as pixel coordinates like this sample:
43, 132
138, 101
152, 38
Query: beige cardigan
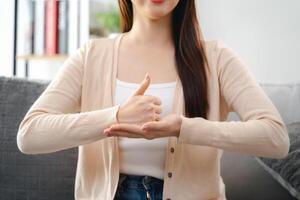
78, 104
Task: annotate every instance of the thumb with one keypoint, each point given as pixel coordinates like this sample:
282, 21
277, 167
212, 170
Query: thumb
141, 90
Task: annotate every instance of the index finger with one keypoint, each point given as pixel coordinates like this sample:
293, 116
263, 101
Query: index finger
133, 128
154, 99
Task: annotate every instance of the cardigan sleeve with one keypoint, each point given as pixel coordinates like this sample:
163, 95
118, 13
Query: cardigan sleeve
54, 122
260, 132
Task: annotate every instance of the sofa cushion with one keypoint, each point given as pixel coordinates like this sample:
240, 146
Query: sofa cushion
286, 97
47, 176
287, 171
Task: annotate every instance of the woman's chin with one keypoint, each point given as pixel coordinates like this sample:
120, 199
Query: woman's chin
156, 15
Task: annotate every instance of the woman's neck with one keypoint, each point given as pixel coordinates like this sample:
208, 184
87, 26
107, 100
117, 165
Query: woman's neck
151, 32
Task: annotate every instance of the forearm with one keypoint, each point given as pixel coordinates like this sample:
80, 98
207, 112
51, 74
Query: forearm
264, 137
43, 132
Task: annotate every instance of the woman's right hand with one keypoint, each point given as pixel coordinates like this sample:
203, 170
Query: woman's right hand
140, 108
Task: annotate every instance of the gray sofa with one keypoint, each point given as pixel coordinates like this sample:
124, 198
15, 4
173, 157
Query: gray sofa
52, 176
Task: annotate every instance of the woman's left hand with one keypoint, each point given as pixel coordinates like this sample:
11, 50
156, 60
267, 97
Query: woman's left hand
167, 126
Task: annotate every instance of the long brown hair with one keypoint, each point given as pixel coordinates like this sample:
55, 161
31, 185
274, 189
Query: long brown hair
191, 61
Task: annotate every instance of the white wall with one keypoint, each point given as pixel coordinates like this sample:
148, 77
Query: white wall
6, 37
266, 34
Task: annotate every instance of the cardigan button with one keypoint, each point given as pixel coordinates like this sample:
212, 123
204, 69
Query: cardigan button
170, 174
172, 149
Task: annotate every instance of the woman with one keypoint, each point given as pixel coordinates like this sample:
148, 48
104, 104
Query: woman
162, 138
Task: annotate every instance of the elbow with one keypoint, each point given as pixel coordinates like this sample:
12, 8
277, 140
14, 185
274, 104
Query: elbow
26, 140
281, 152
25, 137
27, 146
282, 145
23, 143
283, 149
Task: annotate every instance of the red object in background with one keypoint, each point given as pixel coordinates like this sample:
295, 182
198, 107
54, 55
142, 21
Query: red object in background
51, 27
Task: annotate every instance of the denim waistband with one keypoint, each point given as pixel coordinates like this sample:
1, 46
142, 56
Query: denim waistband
138, 181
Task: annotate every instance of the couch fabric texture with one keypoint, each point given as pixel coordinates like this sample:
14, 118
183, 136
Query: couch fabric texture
43, 177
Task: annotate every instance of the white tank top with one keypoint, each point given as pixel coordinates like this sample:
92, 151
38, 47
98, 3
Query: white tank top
139, 156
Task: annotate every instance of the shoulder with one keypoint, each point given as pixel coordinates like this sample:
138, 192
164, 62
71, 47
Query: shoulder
95, 50
94, 46
219, 53
217, 47
92, 52
99, 44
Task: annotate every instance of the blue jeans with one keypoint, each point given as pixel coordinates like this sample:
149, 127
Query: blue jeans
135, 187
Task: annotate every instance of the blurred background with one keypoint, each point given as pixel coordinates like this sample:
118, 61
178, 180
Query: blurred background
37, 36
